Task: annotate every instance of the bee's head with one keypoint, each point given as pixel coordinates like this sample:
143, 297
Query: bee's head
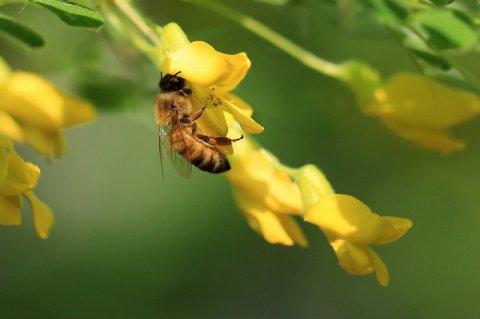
169, 82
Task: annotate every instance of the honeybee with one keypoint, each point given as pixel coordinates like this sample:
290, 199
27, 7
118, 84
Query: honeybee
178, 136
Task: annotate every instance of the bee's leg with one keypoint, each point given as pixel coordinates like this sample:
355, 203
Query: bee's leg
196, 115
219, 140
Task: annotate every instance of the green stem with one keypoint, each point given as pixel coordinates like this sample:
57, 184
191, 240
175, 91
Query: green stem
130, 24
466, 75
4, 2
304, 56
138, 21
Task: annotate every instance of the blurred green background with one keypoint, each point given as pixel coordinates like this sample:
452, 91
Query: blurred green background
127, 244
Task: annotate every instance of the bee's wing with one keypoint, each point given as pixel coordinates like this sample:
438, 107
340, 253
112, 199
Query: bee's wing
166, 149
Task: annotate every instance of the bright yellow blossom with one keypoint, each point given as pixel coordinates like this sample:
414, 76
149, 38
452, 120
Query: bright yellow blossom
17, 179
33, 111
422, 110
350, 226
266, 195
211, 75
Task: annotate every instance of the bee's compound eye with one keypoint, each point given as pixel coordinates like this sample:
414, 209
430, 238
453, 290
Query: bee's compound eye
171, 83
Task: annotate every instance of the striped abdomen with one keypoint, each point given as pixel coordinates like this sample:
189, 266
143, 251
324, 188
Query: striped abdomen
201, 154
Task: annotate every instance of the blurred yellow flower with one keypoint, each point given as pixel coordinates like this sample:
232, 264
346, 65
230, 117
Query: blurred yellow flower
211, 75
266, 195
19, 178
350, 226
33, 111
421, 110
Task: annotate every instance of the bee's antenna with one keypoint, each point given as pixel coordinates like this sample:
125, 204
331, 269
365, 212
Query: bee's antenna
177, 73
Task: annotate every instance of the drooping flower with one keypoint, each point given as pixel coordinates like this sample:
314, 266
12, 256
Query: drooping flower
211, 75
266, 195
17, 180
422, 110
34, 111
349, 225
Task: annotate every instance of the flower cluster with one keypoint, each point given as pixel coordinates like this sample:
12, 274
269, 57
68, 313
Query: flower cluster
17, 180
417, 108
269, 194
422, 110
32, 111
266, 195
211, 76
349, 225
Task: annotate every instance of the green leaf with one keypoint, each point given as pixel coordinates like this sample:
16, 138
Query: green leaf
20, 32
73, 14
397, 9
447, 29
417, 47
456, 81
388, 11
431, 58
441, 2
274, 2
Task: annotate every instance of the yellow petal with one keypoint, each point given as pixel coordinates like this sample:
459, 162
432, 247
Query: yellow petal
5, 150
432, 139
360, 260
173, 39
246, 122
42, 215
345, 217
20, 176
10, 210
352, 258
400, 227
199, 63
293, 230
423, 102
33, 101
381, 271
48, 143
313, 185
241, 104
10, 128
254, 172
4, 71
275, 228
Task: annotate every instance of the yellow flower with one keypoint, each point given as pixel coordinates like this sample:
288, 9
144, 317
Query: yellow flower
19, 178
266, 195
33, 111
421, 110
211, 76
350, 226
